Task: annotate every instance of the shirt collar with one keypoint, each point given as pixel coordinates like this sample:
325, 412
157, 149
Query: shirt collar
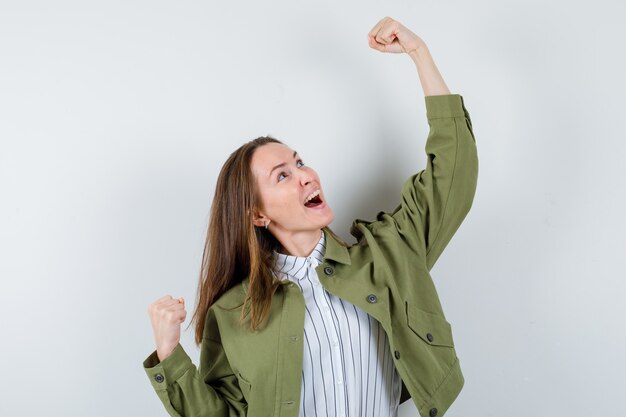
296, 266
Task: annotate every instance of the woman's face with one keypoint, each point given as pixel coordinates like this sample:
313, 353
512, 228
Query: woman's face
285, 183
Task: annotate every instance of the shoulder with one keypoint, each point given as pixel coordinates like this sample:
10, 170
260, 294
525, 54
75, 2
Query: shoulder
382, 240
224, 313
233, 297
369, 231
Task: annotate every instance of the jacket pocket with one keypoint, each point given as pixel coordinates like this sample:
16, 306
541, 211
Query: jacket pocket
244, 385
433, 329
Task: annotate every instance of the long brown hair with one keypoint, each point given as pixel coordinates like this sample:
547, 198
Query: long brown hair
235, 248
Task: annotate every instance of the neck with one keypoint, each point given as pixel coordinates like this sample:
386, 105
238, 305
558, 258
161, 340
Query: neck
299, 243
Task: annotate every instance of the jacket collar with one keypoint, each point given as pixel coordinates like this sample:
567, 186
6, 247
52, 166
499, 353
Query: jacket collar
334, 249
296, 266
328, 247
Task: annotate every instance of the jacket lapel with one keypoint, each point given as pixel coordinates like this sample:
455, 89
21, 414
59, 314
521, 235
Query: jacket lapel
334, 249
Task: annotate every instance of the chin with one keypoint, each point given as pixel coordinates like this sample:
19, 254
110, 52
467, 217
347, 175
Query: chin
329, 220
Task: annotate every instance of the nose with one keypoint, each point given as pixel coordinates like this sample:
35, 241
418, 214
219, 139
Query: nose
306, 177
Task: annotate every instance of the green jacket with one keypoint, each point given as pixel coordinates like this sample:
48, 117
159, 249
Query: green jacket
386, 273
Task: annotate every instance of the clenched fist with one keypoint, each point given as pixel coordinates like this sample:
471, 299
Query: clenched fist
166, 315
389, 35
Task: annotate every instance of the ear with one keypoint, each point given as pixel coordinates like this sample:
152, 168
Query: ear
258, 218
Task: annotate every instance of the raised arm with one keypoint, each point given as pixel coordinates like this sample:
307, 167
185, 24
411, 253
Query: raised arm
435, 200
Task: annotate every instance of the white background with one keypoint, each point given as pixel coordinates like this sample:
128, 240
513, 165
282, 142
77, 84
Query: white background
116, 117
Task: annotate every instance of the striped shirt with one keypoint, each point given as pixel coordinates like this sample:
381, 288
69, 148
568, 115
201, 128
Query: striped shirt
347, 366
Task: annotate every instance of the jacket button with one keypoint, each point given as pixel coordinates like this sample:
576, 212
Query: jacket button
372, 298
328, 270
159, 378
397, 353
432, 412
429, 337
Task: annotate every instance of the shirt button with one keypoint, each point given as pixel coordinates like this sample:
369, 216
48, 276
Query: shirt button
432, 412
397, 354
329, 270
339, 382
372, 298
429, 337
159, 378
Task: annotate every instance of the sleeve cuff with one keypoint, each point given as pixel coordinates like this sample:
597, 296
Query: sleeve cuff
164, 373
447, 105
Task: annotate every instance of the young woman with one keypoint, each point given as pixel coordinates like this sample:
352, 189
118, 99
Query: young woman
291, 320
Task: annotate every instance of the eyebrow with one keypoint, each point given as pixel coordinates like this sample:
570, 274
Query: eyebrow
281, 165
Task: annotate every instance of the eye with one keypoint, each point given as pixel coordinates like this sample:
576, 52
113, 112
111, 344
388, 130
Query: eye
284, 174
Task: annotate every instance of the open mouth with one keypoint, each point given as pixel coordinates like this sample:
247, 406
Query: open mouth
315, 201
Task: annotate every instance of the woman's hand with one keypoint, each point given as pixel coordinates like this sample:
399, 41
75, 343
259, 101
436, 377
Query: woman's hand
166, 315
390, 36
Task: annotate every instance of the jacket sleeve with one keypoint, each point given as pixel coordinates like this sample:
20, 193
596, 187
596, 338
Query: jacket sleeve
213, 391
435, 201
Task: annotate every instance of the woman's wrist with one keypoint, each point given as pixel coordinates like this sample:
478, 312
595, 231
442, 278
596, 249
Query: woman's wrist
430, 78
418, 53
163, 353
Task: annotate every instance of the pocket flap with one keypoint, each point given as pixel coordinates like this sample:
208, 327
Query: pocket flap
244, 384
433, 329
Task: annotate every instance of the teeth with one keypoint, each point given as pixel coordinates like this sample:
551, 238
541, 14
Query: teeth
312, 196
